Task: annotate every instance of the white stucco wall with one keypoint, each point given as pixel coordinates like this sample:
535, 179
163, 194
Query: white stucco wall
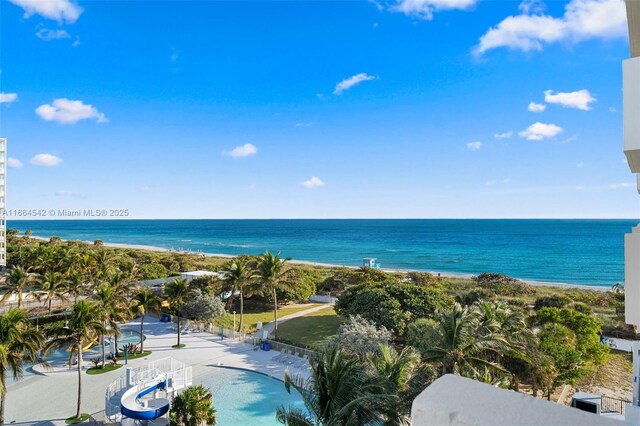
458, 401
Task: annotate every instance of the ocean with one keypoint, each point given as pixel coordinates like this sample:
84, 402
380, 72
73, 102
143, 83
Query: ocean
587, 252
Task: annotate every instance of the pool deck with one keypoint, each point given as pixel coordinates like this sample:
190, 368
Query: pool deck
51, 398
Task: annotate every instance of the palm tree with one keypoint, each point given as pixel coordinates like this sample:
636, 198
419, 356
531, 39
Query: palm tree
462, 343
177, 292
84, 326
75, 284
338, 392
402, 374
273, 276
54, 287
238, 273
193, 407
111, 306
19, 342
143, 302
17, 281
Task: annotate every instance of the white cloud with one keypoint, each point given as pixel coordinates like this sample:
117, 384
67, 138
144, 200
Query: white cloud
66, 111
46, 160
612, 109
66, 193
145, 188
622, 185
304, 124
424, 9
579, 99
582, 20
534, 107
474, 146
348, 83
314, 182
498, 182
539, 131
48, 35
242, 151
7, 98
14, 163
57, 10
250, 187
504, 135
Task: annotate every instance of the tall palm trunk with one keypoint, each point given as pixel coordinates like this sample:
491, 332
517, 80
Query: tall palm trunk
104, 357
50, 306
20, 298
241, 311
3, 394
178, 328
275, 312
79, 378
142, 334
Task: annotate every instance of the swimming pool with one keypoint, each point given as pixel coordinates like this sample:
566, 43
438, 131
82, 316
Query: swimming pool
127, 336
243, 397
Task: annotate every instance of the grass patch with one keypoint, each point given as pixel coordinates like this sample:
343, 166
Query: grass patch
310, 330
106, 369
75, 420
255, 314
134, 356
180, 346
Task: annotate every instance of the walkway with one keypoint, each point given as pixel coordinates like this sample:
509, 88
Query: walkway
48, 400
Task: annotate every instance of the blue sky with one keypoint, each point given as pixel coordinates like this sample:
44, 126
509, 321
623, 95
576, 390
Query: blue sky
408, 108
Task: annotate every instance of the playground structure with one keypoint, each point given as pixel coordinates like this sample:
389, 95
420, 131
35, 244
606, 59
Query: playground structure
142, 395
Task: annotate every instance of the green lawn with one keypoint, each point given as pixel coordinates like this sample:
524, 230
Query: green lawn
310, 330
133, 356
106, 369
254, 314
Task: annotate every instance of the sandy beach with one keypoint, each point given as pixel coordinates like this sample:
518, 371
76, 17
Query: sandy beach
329, 265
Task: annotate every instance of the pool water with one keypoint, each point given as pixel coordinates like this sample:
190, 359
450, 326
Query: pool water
243, 397
126, 336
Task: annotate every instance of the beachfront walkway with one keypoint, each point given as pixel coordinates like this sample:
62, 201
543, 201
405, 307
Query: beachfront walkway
48, 400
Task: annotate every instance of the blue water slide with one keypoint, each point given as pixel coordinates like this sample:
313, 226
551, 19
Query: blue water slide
133, 407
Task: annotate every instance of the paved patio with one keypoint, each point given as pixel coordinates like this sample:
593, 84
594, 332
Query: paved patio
51, 398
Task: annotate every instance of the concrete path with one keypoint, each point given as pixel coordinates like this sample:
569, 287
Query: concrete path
48, 400
269, 327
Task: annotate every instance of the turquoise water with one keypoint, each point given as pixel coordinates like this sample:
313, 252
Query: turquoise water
245, 398
62, 354
569, 251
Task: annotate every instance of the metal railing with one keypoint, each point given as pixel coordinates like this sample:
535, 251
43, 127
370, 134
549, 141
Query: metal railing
179, 374
613, 405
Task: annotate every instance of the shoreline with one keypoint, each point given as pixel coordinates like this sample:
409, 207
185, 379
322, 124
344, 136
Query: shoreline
331, 265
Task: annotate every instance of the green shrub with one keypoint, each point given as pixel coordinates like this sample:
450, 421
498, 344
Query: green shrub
503, 285
393, 306
553, 301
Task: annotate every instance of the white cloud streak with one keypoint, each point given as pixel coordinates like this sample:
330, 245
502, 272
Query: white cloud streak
57, 10
48, 35
504, 135
242, 151
534, 107
424, 9
348, 83
539, 131
67, 111
48, 160
580, 99
582, 20
313, 182
14, 163
474, 146
7, 98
